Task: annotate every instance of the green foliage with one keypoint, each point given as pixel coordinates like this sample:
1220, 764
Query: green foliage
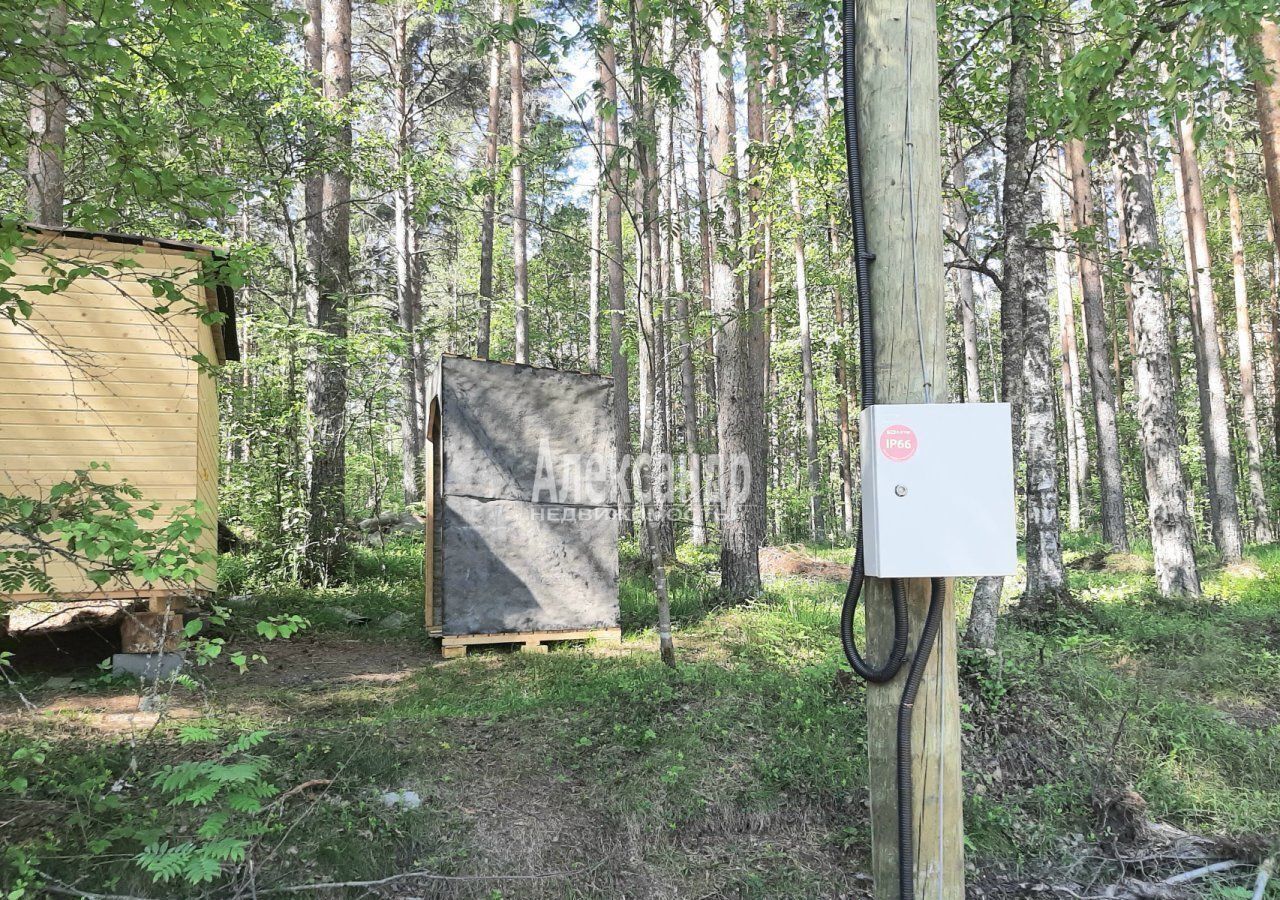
229, 789
758, 728
102, 528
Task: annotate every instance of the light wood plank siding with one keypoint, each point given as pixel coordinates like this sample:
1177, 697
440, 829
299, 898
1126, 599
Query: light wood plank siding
99, 373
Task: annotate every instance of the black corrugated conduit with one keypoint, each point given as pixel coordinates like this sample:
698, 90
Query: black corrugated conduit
862, 259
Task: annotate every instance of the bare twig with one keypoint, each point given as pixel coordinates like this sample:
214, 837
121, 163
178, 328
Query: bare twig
306, 785
53, 886
1265, 871
1204, 870
428, 876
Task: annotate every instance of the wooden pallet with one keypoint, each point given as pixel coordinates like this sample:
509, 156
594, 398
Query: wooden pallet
453, 646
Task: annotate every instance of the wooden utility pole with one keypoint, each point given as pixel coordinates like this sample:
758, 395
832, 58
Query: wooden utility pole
902, 178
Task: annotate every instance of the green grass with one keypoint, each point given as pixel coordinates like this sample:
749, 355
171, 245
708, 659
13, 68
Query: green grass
742, 772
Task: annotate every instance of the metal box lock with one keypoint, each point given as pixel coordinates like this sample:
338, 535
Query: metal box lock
937, 490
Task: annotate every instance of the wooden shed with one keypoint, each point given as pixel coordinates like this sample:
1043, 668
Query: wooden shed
522, 528
108, 368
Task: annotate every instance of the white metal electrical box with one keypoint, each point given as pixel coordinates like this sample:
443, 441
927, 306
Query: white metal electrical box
937, 490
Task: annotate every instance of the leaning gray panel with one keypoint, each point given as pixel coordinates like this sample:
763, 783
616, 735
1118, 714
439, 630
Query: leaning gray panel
511, 566
500, 419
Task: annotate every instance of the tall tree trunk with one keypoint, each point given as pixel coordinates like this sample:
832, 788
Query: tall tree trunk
1046, 575
759, 250
406, 260
985, 608
611, 148
1070, 330
706, 238
688, 382
1273, 305
1122, 246
47, 122
327, 369
1216, 424
1262, 533
1172, 535
845, 433
1266, 89
1110, 476
736, 379
313, 243
959, 215
1189, 270
489, 208
817, 525
519, 208
844, 428
653, 288
1072, 416
593, 289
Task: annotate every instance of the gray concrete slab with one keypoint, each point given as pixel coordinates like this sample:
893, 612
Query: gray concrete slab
147, 666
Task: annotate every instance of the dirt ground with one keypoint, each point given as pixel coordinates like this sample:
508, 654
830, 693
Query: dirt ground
794, 562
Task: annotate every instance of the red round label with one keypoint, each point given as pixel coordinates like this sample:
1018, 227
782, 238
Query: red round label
898, 443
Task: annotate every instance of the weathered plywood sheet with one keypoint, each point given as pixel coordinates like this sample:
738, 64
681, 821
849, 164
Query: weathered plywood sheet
511, 566
500, 421
529, 531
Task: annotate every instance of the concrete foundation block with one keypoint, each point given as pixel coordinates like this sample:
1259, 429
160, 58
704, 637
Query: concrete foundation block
147, 666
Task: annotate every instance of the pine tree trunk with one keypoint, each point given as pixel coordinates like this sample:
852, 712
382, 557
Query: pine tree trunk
1189, 270
844, 430
759, 249
959, 216
1046, 575
1072, 347
846, 434
406, 263
817, 525
1262, 533
654, 282
706, 236
611, 148
47, 123
1216, 422
593, 289
984, 610
1072, 417
735, 377
1266, 85
1273, 305
1172, 535
1122, 245
519, 207
1110, 476
327, 370
688, 381
489, 208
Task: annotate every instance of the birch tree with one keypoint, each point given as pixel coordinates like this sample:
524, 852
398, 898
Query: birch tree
1172, 537
47, 125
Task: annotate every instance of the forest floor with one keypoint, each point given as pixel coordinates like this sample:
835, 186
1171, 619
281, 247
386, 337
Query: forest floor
1106, 749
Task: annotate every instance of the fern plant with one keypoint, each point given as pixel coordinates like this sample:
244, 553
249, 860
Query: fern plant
230, 790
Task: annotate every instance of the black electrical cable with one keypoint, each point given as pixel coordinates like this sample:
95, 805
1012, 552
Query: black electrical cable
862, 259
